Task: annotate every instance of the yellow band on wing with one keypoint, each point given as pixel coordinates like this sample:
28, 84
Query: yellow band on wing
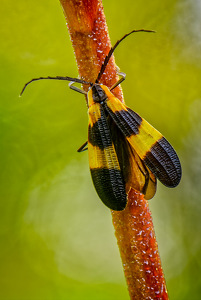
105, 158
145, 139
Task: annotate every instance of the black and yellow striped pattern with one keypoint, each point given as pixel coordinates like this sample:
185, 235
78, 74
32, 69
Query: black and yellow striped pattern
150, 145
125, 151
104, 166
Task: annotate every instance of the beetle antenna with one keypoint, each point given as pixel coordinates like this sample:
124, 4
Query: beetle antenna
57, 78
107, 58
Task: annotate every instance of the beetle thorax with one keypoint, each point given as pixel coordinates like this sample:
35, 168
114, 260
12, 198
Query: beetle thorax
98, 93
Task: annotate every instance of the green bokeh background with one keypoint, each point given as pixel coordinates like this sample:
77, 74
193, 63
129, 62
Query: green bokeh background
56, 237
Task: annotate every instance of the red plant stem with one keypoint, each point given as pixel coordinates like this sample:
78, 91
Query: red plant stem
133, 226
139, 250
90, 38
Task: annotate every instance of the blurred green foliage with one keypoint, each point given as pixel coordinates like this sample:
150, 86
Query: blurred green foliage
56, 237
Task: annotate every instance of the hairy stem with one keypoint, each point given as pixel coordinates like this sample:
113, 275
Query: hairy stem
133, 227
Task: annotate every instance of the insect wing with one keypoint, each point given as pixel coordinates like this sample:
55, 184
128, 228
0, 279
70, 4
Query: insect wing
154, 150
135, 173
104, 166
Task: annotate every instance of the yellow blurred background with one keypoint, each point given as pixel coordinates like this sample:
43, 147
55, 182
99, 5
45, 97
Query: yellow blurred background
56, 237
